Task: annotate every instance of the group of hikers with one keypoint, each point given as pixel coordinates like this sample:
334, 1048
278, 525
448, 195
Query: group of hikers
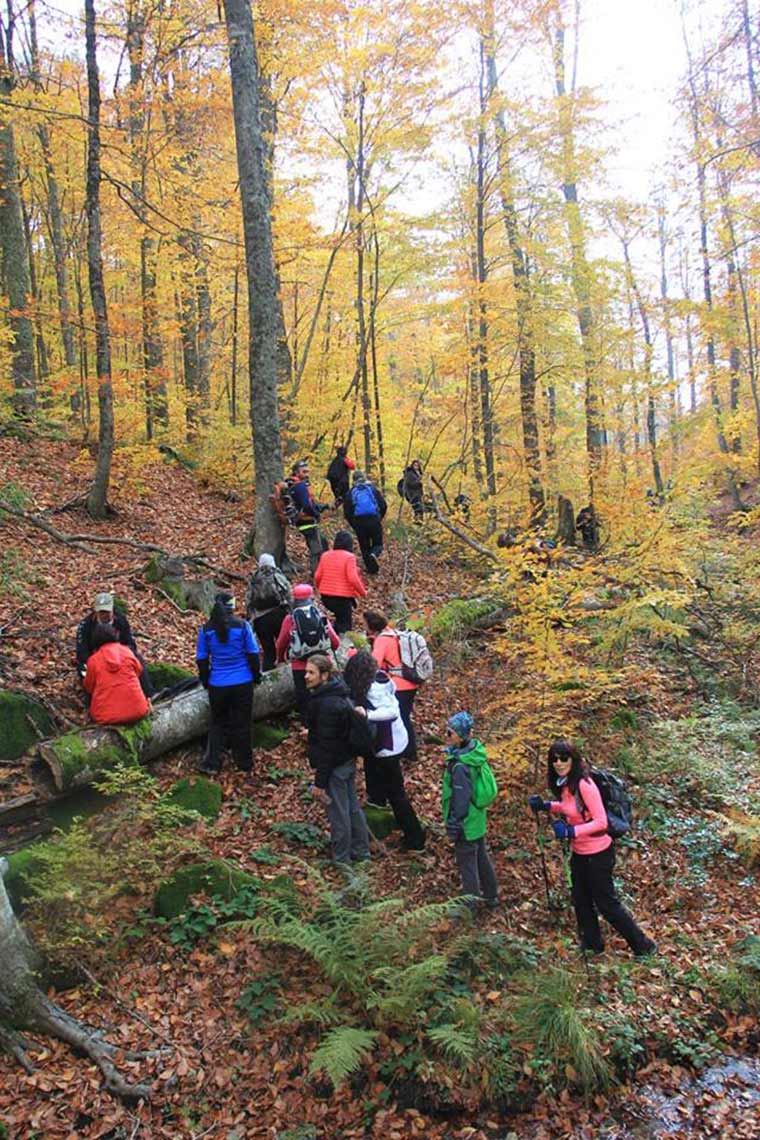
364, 713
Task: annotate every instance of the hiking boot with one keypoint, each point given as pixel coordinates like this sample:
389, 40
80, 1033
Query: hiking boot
210, 769
371, 564
647, 948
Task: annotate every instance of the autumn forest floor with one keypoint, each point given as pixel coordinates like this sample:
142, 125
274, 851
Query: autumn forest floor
225, 1078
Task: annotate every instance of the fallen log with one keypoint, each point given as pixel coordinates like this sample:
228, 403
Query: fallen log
77, 758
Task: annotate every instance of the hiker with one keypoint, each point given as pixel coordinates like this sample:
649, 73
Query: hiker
308, 513
331, 757
112, 679
304, 631
588, 524
467, 771
229, 665
584, 823
269, 600
385, 649
339, 581
337, 474
102, 613
365, 509
372, 690
410, 488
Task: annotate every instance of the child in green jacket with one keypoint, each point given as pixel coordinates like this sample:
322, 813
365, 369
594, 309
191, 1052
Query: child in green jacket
465, 821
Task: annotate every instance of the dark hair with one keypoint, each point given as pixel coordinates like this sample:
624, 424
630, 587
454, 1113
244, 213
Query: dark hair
103, 633
220, 618
343, 540
375, 620
323, 663
360, 672
417, 463
341, 450
564, 750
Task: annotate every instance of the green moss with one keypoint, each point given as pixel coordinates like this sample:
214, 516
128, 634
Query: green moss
73, 756
22, 865
176, 591
214, 878
458, 616
196, 794
267, 735
18, 716
151, 570
135, 736
380, 820
163, 674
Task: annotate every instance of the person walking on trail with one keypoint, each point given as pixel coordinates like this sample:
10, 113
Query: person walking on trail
332, 758
364, 508
464, 806
584, 822
229, 666
308, 513
112, 679
339, 581
410, 488
587, 523
372, 690
304, 632
337, 474
269, 600
386, 651
103, 613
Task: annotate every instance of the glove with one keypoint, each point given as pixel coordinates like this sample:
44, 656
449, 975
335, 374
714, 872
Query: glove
563, 830
536, 803
454, 831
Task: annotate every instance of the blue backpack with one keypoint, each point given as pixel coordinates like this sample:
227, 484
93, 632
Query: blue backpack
363, 498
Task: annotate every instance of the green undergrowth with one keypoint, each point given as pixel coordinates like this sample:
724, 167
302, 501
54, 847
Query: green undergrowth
216, 878
267, 735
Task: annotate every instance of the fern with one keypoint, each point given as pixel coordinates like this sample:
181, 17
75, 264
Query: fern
342, 1052
458, 1044
405, 988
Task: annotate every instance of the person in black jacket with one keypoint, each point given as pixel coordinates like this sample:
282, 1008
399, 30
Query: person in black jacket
364, 508
410, 486
330, 755
102, 613
337, 474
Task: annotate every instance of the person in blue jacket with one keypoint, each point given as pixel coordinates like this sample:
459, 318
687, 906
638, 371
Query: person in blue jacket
229, 666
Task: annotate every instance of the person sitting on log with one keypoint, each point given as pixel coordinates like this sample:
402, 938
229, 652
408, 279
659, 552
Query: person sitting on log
112, 679
102, 613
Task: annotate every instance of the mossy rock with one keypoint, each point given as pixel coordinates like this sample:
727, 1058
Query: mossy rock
163, 674
19, 715
214, 878
267, 735
458, 616
380, 820
21, 867
196, 794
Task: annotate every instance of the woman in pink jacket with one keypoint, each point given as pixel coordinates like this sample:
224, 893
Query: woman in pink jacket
584, 823
338, 580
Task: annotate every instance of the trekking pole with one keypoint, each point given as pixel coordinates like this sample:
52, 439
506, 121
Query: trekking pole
540, 839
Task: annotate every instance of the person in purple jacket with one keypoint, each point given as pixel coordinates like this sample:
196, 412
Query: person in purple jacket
229, 666
583, 821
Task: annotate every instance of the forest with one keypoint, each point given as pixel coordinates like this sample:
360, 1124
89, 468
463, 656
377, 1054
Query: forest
240, 244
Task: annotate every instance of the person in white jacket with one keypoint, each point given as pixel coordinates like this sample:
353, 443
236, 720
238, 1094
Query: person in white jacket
374, 691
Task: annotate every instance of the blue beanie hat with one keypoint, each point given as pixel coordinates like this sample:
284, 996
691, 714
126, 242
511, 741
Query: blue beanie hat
461, 723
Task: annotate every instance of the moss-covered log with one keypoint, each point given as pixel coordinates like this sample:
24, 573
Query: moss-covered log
75, 759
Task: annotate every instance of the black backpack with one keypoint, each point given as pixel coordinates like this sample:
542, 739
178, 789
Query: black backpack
616, 800
309, 634
361, 738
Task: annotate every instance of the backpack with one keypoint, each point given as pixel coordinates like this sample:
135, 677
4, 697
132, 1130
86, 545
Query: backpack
361, 738
283, 503
400, 486
484, 788
337, 472
364, 501
616, 800
416, 662
267, 589
309, 634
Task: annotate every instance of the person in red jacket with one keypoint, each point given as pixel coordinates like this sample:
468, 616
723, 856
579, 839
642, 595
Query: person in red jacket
304, 632
113, 680
338, 580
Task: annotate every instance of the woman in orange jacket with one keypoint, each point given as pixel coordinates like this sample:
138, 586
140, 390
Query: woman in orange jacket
338, 580
113, 680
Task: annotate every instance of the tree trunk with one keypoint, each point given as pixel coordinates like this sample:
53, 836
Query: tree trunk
24, 1007
675, 406
15, 265
97, 497
648, 353
484, 377
263, 317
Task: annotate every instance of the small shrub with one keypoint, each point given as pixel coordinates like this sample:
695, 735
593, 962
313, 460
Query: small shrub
302, 834
259, 999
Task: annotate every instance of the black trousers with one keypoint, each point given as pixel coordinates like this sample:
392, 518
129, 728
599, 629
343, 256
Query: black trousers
405, 698
302, 693
369, 531
267, 627
594, 894
342, 608
231, 707
316, 543
385, 785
